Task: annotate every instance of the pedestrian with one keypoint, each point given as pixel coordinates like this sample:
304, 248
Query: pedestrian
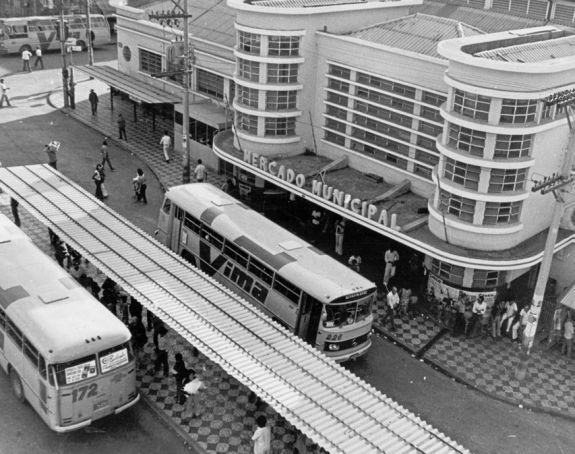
39, 58
98, 180
14, 207
140, 186
392, 304
139, 337
339, 231
122, 127
191, 389
478, 310
166, 143
104, 188
105, 154
558, 318
60, 253
93, 98
181, 374
228, 187
26, 55
50, 150
262, 436
391, 258
135, 308
354, 262
4, 88
508, 316
200, 172
497, 312
162, 352
567, 336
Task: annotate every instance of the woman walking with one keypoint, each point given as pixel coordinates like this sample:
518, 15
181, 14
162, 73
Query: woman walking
98, 177
140, 186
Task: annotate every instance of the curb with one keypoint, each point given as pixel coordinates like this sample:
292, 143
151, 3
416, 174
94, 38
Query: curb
190, 443
470, 385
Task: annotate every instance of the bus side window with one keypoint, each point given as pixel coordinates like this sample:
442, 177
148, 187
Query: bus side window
167, 206
2, 318
31, 352
42, 366
14, 333
17, 31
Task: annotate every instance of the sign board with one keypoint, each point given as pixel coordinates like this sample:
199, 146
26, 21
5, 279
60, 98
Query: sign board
76, 48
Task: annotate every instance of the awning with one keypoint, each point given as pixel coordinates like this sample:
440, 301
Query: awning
137, 90
568, 298
209, 113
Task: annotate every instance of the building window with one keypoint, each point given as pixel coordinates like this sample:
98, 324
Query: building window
515, 146
249, 70
334, 138
210, 84
284, 46
471, 105
518, 111
280, 126
281, 100
486, 279
502, 213
457, 206
386, 85
335, 125
337, 98
283, 73
150, 62
429, 128
461, 173
248, 96
426, 158
433, 99
466, 139
422, 171
338, 71
250, 43
547, 111
383, 114
380, 141
381, 127
380, 155
448, 272
383, 99
338, 85
504, 180
428, 144
247, 123
336, 112
430, 114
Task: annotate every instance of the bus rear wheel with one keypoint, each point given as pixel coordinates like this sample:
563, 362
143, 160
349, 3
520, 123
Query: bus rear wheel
25, 47
83, 45
16, 384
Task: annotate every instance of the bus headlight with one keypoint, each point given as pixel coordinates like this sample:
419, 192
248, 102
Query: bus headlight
333, 347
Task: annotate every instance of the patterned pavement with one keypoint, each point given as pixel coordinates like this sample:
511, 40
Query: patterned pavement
482, 364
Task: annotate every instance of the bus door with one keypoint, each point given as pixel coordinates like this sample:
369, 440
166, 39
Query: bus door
310, 317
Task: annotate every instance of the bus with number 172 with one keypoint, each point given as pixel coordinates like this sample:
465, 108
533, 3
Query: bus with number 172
313, 295
63, 351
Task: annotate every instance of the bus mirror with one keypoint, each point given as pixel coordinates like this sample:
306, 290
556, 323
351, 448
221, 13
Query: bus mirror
156, 232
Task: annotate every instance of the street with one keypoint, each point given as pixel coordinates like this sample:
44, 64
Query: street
480, 423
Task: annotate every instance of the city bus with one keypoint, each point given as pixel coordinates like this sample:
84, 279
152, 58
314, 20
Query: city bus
313, 295
63, 351
20, 33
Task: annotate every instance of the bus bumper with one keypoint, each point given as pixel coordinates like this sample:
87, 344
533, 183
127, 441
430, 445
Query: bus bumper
351, 355
80, 425
128, 405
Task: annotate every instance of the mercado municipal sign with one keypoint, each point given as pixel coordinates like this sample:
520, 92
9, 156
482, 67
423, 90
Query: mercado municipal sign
319, 189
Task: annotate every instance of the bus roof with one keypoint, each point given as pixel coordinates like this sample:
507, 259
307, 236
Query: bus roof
58, 316
316, 273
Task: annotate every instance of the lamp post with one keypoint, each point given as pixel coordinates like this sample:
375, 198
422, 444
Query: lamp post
89, 35
183, 14
553, 184
63, 51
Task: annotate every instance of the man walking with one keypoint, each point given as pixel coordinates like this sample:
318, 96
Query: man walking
200, 172
51, 152
93, 98
166, 142
104, 153
39, 58
122, 127
26, 55
4, 89
162, 353
392, 303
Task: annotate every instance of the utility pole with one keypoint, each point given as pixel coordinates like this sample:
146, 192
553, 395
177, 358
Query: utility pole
553, 184
89, 35
63, 51
186, 72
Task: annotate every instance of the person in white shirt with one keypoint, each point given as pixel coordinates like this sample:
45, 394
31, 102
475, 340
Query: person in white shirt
200, 172
262, 436
26, 55
4, 94
191, 390
166, 143
39, 58
392, 305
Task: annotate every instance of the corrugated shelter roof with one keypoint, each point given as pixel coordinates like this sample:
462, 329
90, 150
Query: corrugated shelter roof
211, 20
418, 33
533, 52
304, 3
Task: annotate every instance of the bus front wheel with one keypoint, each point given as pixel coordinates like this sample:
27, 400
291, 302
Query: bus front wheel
16, 383
83, 45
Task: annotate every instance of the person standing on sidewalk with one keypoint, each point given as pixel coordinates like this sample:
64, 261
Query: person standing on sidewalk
200, 172
339, 231
392, 304
14, 207
4, 89
98, 180
191, 389
567, 336
262, 436
166, 143
104, 153
162, 352
181, 374
51, 152
26, 55
39, 58
122, 127
93, 98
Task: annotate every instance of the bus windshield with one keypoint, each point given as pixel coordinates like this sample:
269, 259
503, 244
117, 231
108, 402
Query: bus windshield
346, 314
86, 367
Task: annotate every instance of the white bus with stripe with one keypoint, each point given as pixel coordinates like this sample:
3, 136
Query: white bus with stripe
63, 351
313, 295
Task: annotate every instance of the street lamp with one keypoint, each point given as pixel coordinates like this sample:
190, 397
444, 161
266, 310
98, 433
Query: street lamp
564, 99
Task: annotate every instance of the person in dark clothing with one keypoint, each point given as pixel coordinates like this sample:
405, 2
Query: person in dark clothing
150, 319
98, 177
122, 127
61, 253
139, 336
93, 98
181, 373
95, 288
135, 308
109, 295
54, 239
14, 206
